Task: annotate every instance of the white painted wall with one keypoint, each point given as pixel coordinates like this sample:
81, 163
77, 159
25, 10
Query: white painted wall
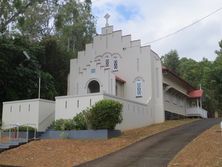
68, 106
32, 112
135, 114
135, 62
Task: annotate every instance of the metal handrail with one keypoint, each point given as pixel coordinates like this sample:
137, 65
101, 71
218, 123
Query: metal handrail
11, 126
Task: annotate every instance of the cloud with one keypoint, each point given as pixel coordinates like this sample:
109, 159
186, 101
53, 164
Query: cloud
148, 20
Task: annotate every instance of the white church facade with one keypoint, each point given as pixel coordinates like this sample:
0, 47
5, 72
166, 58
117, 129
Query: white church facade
115, 67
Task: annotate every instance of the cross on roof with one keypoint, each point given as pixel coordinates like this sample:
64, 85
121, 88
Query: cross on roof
107, 16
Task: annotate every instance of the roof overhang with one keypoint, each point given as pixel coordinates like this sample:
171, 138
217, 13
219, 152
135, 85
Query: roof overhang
120, 79
196, 93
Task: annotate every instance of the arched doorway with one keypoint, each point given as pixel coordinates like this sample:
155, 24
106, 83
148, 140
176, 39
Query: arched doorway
93, 87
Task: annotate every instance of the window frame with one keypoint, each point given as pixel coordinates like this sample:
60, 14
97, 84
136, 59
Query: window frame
117, 64
139, 93
107, 65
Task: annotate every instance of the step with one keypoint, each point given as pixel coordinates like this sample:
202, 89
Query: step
4, 146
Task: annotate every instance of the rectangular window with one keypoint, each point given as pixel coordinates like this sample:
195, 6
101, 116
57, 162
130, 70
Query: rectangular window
138, 88
107, 63
115, 65
93, 71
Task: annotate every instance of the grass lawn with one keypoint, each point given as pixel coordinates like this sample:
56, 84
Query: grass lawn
204, 151
66, 152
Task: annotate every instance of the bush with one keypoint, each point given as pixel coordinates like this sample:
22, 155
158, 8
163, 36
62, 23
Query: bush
24, 128
63, 124
105, 114
80, 121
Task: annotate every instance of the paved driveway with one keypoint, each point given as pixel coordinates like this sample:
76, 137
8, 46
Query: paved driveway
154, 151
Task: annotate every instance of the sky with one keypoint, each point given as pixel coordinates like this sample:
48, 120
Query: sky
149, 20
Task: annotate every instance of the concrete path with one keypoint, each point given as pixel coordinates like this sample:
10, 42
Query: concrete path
154, 151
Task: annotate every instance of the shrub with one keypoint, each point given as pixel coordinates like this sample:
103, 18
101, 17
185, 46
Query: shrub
24, 128
80, 122
63, 124
105, 114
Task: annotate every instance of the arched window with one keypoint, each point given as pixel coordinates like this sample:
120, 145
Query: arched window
107, 62
93, 87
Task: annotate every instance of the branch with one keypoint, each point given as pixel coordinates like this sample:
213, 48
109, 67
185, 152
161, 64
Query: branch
15, 15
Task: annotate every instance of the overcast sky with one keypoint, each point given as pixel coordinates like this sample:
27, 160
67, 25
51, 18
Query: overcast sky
151, 19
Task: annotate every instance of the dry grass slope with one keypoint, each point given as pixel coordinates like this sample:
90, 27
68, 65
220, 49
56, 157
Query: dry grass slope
204, 151
66, 153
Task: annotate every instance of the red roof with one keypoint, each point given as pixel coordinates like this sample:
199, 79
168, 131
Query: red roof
196, 93
120, 79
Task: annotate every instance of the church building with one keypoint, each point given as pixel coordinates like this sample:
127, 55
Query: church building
115, 67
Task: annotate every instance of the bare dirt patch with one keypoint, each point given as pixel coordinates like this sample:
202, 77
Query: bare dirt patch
66, 152
203, 151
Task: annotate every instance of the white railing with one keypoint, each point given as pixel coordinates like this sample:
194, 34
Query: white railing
196, 111
7, 131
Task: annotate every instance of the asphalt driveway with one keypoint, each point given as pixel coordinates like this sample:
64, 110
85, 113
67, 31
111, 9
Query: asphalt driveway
154, 151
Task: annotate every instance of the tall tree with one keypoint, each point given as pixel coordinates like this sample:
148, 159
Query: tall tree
190, 71
10, 10
75, 25
171, 61
36, 21
19, 76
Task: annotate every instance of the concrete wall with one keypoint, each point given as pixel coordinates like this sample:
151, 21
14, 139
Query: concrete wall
68, 106
28, 112
134, 63
135, 114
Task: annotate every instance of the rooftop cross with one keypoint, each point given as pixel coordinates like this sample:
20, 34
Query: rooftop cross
107, 16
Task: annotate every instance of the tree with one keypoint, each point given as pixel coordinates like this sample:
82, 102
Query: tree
19, 76
171, 61
55, 60
190, 71
10, 10
75, 25
35, 21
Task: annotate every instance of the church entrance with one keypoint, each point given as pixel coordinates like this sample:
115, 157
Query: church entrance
93, 87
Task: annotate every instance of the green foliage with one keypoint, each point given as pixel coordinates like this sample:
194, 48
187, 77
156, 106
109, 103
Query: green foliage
10, 10
24, 128
63, 124
80, 120
105, 114
171, 61
75, 25
205, 73
19, 76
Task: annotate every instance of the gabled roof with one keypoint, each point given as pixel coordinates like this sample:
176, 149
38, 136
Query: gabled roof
191, 91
